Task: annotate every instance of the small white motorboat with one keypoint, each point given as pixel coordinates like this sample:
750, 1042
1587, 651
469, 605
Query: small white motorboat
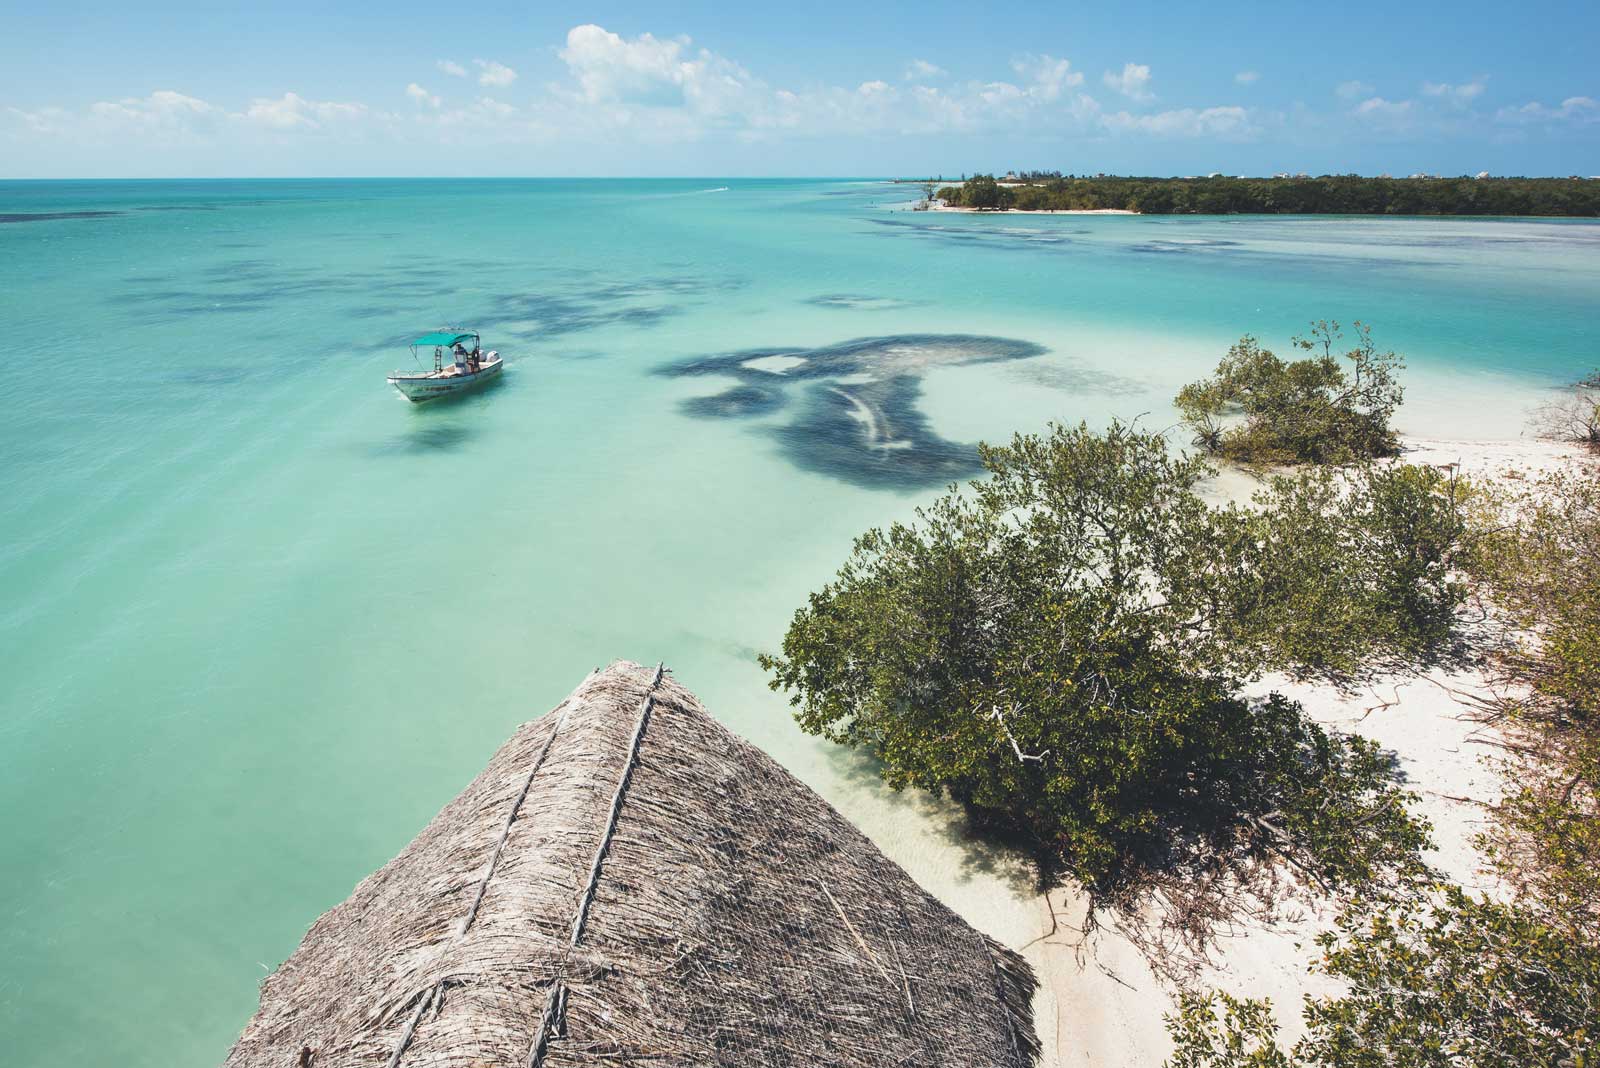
469, 366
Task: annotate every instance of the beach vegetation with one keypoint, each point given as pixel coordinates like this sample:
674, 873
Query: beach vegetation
1574, 415
1434, 980
1541, 567
1062, 647
1433, 975
983, 192
1331, 574
1326, 408
1332, 194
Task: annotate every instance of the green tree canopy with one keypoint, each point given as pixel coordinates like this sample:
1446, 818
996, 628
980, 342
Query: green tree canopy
1258, 408
1339, 194
1060, 650
980, 191
1331, 574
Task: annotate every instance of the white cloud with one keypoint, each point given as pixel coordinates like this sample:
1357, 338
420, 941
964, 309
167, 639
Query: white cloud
422, 96
1228, 122
1458, 94
484, 119
647, 69
684, 89
1393, 113
656, 90
1352, 90
163, 108
1247, 77
1047, 76
1133, 82
46, 120
163, 117
292, 111
497, 75
1377, 105
667, 88
1579, 109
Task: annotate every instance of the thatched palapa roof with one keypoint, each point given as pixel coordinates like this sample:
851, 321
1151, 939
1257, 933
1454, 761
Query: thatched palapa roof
629, 883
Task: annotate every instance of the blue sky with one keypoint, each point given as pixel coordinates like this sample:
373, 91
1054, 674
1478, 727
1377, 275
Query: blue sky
810, 88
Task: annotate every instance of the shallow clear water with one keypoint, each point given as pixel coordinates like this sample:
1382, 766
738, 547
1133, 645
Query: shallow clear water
260, 618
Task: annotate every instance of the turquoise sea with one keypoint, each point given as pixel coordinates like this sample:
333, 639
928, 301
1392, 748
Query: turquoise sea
260, 618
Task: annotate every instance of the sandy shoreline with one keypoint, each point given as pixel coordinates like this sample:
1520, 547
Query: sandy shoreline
1099, 1002
1027, 211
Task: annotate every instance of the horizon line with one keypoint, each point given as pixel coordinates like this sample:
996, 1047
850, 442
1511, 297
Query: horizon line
1419, 175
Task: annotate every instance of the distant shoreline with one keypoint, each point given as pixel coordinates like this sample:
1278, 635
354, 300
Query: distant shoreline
1033, 211
1482, 196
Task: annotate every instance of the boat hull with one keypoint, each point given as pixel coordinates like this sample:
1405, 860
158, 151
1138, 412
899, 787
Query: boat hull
419, 388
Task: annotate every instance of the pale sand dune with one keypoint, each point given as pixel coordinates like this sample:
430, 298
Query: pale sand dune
1100, 1004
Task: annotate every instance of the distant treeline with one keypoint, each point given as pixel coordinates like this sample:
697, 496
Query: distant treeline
1327, 195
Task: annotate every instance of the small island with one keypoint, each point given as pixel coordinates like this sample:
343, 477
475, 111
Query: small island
1329, 194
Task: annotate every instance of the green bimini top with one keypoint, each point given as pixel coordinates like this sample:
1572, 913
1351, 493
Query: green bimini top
442, 340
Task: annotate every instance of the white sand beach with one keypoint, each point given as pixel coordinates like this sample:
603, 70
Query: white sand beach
1101, 1005
1024, 211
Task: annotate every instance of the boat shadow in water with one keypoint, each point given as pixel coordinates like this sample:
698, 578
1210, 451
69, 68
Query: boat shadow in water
427, 439
438, 426
856, 416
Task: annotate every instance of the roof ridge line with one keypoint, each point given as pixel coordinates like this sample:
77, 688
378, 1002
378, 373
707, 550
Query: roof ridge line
483, 888
617, 796
555, 1001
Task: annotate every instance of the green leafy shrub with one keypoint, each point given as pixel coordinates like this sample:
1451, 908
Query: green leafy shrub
1057, 650
1243, 1034
1574, 415
1441, 978
1444, 981
1333, 573
1542, 570
1258, 408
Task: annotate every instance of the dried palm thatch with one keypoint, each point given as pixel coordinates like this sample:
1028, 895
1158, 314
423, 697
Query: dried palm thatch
627, 882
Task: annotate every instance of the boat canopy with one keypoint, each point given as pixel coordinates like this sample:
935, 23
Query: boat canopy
442, 340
